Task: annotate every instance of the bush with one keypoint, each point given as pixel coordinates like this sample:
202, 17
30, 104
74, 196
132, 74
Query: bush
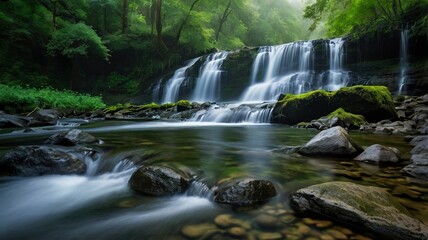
16, 99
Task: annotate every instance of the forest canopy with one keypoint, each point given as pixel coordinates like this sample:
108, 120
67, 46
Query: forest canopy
120, 46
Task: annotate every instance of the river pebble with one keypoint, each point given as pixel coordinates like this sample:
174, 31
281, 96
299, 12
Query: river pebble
269, 236
267, 221
203, 230
237, 232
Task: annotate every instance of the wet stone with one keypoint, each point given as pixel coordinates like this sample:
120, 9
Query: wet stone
203, 230
237, 232
267, 221
323, 223
287, 219
326, 237
337, 234
345, 231
303, 229
269, 236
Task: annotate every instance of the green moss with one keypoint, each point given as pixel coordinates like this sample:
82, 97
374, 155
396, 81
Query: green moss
302, 124
354, 119
167, 105
295, 99
377, 94
151, 106
185, 103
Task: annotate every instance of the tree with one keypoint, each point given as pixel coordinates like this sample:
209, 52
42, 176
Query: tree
223, 19
74, 41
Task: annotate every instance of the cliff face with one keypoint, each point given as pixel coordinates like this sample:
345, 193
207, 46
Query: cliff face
375, 60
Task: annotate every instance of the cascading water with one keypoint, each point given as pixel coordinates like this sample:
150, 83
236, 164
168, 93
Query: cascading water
208, 83
174, 83
337, 77
236, 113
287, 69
403, 61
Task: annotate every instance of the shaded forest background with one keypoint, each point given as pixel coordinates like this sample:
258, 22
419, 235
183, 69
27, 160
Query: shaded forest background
116, 47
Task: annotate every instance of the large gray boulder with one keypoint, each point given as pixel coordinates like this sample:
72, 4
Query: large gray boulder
332, 142
159, 181
244, 192
71, 138
44, 117
10, 121
36, 160
379, 154
372, 208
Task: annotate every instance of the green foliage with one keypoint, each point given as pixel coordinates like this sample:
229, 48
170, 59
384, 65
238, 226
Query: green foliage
151, 106
77, 40
15, 99
360, 17
120, 83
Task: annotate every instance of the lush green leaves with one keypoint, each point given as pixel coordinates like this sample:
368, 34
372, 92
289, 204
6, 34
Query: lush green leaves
77, 39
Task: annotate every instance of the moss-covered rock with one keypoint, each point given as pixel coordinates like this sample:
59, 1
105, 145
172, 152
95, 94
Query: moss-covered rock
374, 103
295, 108
183, 105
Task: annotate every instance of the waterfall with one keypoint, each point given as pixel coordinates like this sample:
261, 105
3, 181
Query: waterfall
403, 60
337, 77
260, 64
172, 90
287, 69
237, 113
208, 83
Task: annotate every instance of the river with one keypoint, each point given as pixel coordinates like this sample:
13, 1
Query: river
99, 205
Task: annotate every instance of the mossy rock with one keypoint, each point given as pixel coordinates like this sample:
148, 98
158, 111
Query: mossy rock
350, 120
296, 108
183, 105
374, 103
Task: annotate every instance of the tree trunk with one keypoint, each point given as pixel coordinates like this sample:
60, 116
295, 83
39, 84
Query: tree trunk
125, 10
223, 19
177, 37
161, 44
153, 15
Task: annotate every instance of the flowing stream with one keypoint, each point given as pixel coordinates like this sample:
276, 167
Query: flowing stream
99, 205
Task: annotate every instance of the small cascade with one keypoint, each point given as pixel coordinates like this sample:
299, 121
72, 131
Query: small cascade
337, 78
287, 69
208, 83
199, 189
259, 65
237, 113
123, 165
403, 61
171, 92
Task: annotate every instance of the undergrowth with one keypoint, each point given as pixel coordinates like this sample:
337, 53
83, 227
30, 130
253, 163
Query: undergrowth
16, 99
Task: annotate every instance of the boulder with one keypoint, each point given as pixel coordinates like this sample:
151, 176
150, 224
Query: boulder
373, 102
159, 181
337, 118
35, 161
71, 138
44, 117
331, 142
368, 207
244, 192
296, 108
10, 121
379, 154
